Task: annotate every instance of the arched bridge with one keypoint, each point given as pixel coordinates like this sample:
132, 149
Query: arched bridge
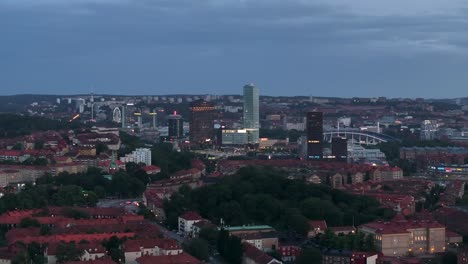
361, 137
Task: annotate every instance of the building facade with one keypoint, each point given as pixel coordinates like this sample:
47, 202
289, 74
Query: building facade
252, 112
175, 125
234, 137
315, 135
140, 155
400, 237
340, 148
202, 121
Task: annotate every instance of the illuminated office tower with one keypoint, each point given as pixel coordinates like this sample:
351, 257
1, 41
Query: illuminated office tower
315, 135
202, 115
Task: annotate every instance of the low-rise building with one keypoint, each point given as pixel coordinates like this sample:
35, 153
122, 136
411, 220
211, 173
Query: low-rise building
182, 258
187, 220
265, 241
345, 230
400, 236
149, 247
316, 227
289, 253
253, 255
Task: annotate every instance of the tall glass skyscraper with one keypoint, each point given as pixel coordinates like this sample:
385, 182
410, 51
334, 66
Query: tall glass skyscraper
251, 112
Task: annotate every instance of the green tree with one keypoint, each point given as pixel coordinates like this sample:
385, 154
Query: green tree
449, 258
367, 176
114, 249
233, 252
38, 144
309, 256
297, 222
73, 195
45, 230
369, 243
198, 248
74, 213
18, 146
36, 253
29, 222
210, 234
21, 258
40, 162
101, 147
68, 252
223, 239
349, 179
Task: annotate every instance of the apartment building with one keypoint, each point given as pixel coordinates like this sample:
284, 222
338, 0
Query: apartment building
400, 237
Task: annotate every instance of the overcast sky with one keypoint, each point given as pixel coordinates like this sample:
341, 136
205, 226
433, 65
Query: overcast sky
397, 48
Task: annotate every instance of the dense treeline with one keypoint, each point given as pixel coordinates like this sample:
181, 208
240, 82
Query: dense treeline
15, 125
43, 195
264, 196
169, 160
352, 241
81, 189
129, 183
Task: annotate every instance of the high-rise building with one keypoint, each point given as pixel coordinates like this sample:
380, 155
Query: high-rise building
340, 148
315, 135
175, 124
202, 121
251, 112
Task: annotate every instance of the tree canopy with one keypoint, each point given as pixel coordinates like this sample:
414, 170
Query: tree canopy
257, 195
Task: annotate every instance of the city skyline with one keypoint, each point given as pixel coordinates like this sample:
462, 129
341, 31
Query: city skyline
323, 48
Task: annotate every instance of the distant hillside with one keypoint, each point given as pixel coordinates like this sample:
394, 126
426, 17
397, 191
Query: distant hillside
17, 103
15, 125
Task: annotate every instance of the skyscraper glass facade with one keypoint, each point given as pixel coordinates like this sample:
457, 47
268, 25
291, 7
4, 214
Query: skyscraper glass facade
251, 112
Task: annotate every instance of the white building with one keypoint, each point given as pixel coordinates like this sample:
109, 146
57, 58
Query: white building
149, 247
429, 129
187, 220
140, 155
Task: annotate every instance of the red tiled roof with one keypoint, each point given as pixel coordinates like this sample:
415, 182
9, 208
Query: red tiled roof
400, 227
106, 163
191, 216
182, 258
20, 233
137, 244
204, 223
449, 233
151, 168
256, 254
5, 152
96, 261
68, 237
318, 224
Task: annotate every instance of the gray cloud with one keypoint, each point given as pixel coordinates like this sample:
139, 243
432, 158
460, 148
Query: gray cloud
220, 44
